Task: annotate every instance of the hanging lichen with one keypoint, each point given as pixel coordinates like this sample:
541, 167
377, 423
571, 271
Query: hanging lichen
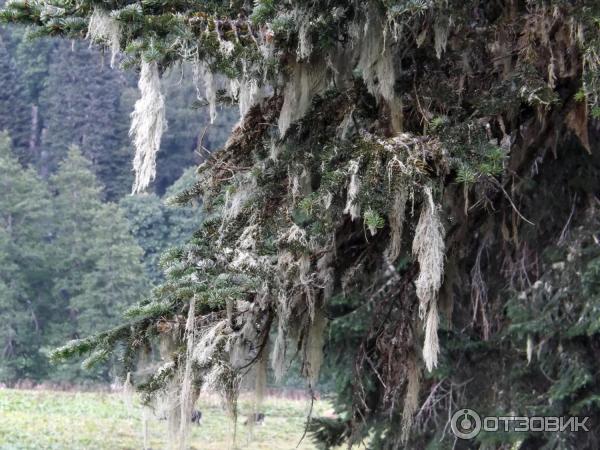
429, 248
105, 29
411, 398
376, 64
313, 348
370, 111
441, 29
187, 397
396, 218
306, 80
147, 126
203, 74
352, 205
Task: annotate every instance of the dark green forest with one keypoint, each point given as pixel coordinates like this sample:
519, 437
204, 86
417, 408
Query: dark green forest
76, 248
408, 208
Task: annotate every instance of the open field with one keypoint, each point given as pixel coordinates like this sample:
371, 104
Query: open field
74, 420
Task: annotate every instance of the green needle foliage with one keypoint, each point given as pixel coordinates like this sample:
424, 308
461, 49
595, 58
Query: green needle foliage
69, 266
410, 198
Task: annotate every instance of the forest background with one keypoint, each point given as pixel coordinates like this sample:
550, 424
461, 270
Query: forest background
67, 218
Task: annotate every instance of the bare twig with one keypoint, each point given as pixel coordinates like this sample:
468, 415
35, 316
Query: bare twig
563, 234
510, 201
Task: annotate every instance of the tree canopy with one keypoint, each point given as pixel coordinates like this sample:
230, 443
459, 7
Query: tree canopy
70, 265
418, 177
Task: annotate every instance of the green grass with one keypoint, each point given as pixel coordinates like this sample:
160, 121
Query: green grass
76, 420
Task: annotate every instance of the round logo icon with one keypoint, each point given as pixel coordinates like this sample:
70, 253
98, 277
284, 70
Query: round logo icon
465, 423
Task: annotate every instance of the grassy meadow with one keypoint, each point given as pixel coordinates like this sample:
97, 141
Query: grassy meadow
32, 419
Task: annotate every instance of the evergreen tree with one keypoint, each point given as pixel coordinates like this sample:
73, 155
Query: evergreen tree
117, 280
86, 113
25, 277
32, 58
182, 219
158, 226
37, 90
69, 266
14, 113
98, 271
148, 225
421, 174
